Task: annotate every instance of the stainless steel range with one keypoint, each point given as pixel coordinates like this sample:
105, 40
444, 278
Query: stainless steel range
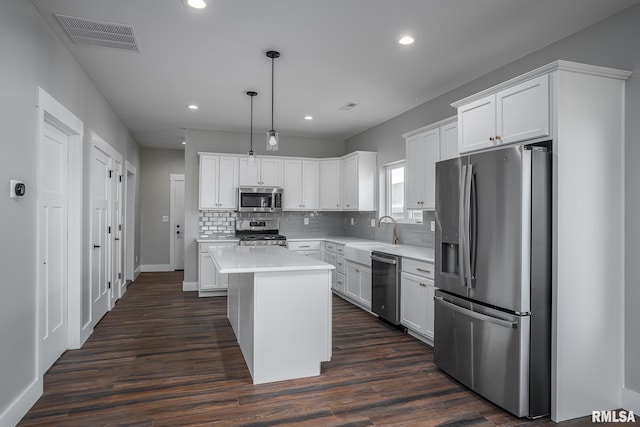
259, 232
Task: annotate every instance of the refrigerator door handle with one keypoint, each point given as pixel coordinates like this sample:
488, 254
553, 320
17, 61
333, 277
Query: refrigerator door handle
478, 316
461, 235
468, 176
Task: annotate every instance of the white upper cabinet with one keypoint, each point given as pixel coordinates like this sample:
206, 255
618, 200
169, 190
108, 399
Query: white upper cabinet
515, 114
218, 181
358, 181
449, 141
264, 172
301, 185
425, 147
330, 184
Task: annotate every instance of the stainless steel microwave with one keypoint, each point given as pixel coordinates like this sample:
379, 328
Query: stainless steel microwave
259, 199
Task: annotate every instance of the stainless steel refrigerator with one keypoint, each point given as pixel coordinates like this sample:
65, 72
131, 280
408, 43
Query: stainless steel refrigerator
493, 274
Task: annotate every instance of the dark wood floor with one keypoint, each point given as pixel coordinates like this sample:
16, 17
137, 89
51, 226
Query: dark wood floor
163, 357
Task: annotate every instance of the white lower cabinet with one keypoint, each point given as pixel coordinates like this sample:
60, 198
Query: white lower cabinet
359, 284
210, 282
416, 299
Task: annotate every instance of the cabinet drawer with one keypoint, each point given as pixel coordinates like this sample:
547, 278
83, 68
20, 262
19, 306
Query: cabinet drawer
419, 268
330, 258
313, 245
340, 264
340, 249
340, 283
330, 246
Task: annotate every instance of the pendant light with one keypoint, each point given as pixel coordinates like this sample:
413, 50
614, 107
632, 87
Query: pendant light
251, 156
272, 135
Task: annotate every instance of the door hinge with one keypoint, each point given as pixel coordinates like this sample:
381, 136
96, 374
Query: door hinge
109, 229
119, 275
119, 227
120, 178
109, 285
110, 173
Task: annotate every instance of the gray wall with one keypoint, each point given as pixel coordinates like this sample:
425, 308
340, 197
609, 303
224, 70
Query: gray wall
32, 57
157, 166
611, 43
238, 143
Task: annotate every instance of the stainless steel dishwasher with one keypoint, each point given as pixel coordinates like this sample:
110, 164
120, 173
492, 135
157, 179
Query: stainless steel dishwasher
385, 286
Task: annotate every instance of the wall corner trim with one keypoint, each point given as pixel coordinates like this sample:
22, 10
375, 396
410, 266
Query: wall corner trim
17, 409
189, 286
155, 267
631, 400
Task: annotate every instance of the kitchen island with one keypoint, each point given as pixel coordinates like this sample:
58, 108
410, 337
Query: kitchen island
279, 306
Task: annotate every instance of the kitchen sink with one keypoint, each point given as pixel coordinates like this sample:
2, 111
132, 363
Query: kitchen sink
360, 252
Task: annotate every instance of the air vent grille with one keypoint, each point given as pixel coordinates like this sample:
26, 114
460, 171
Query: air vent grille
348, 106
97, 33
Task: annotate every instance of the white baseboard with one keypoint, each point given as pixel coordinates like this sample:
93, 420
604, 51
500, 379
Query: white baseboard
156, 267
137, 272
631, 400
189, 286
12, 415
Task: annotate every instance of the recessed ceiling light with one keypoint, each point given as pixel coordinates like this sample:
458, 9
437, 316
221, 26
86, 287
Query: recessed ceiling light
192, 107
308, 117
405, 40
196, 4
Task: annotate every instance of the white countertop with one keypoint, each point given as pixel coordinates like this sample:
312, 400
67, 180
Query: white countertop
248, 259
406, 251
217, 238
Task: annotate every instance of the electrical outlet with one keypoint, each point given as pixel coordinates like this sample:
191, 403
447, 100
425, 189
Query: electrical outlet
353, 221
306, 221
165, 218
373, 222
433, 226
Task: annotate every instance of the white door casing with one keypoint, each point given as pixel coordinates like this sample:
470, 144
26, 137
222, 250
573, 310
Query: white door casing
52, 218
116, 231
176, 224
100, 248
129, 223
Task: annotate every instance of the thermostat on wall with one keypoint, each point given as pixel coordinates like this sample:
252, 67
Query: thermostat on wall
17, 188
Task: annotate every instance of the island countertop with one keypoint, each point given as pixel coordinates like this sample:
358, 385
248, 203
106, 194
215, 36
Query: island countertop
256, 259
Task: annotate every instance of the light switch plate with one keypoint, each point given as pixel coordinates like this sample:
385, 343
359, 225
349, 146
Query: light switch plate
165, 218
306, 221
353, 221
373, 222
433, 226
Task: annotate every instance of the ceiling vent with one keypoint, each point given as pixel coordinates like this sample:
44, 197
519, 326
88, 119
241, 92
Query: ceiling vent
96, 33
348, 106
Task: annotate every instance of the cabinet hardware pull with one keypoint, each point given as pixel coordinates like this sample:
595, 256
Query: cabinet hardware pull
95, 246
497, 137
424, 271
491, 138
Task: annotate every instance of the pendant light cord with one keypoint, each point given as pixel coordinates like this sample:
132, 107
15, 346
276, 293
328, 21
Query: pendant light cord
251, 126
272, 68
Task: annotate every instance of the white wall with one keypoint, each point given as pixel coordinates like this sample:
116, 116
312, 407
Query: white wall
31, 57
238, 143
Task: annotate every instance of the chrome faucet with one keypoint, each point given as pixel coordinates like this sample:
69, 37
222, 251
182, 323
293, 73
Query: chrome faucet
394, 239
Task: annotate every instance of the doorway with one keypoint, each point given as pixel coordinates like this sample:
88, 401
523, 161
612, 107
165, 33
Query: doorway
129, 224
176, 224
59, 245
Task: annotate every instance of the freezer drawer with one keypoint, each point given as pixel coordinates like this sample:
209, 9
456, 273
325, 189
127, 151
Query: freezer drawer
484, 349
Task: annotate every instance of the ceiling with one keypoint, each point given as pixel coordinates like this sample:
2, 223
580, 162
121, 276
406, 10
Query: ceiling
332, 52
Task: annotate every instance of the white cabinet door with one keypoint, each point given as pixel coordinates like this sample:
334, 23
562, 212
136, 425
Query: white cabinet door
330, 184
449, 141
271, 172
228, 182
523, 111
365, 286
413, 303
249, 174
353, 280
431, 142
208, 182
415, 172
207, 273
477, 124
340, 283
310, 194
292, 188
349, 173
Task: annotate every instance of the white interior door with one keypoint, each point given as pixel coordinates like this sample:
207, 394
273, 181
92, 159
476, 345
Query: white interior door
116, 231
130, 222
178, 224
53, 244
100, 162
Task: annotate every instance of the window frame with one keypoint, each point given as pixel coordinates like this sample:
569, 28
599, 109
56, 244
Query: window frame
387, 193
